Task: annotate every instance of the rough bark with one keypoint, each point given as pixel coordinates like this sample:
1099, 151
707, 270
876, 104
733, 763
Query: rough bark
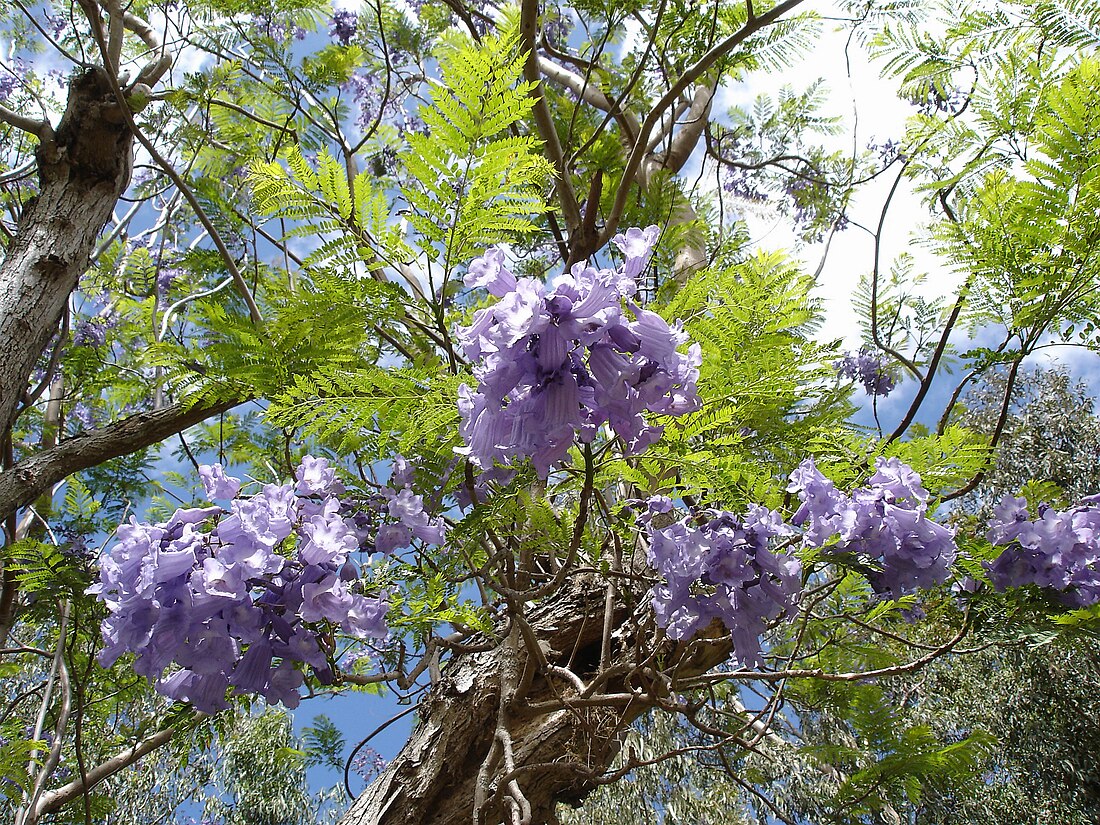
559, 753
82, 171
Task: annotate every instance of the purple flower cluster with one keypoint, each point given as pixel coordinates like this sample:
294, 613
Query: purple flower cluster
724, 570
241, 599
552, 363
883, 528
368, 764
366, 88
276, 29
1059, 550
345, 24
867, 368
888, 151
950, 101
409, 521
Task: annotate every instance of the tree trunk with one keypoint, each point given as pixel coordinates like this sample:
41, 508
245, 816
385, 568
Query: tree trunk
82, 172
454, 768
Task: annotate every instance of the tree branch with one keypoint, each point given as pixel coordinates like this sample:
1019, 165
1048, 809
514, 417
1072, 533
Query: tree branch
154, 70
567, 198
592, 95
39, 128
32, 476
670, 97
52, 800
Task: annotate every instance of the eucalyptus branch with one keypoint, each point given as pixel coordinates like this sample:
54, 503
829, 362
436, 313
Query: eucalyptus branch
593, 96
683, 142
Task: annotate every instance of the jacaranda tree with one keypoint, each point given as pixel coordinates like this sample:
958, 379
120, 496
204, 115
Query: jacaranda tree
425, 345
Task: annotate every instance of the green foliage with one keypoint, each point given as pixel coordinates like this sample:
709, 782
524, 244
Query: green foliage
346, 216
470, 188
324, 744
354, 261
945, 462
765, 387
43, 569
896, 312
320, 325
1074, 23
379, 411
15, 755
892, 762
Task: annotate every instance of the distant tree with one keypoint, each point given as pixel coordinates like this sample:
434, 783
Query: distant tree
1049, 445
251, 772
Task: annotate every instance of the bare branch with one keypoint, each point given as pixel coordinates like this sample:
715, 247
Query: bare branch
154, 70
39, 128
52, 800
567, 198
669, 99
23, 483
683, 143
592, 95
115, 34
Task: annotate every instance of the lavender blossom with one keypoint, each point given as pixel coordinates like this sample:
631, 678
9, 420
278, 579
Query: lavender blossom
883, 528
725, 570
1058, 550
345, 24
239, 601
870, 370
556, 363
90, 333
730, 568
217, 484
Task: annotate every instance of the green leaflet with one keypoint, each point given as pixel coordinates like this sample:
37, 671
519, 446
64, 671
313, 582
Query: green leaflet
766, 386
473, 188
348, 215
378, 410
14, 758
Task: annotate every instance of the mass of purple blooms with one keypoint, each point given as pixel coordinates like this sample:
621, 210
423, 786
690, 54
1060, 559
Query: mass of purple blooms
725, 570
92, 332
1059, 550
244, 599
730, 569
552, 363
868, 369
345, 24
883, 528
